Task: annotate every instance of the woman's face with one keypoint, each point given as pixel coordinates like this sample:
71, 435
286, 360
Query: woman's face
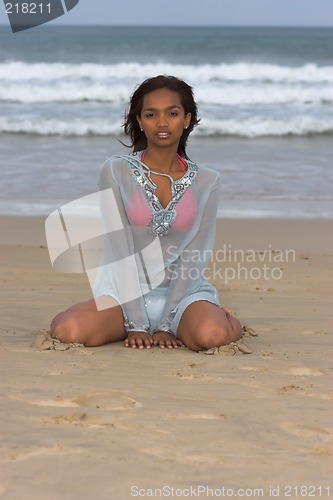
163, 117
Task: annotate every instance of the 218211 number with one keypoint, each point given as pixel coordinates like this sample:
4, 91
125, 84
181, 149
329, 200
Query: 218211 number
27, 8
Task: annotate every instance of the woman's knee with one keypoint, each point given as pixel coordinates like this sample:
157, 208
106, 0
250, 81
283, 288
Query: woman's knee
210, 334
66, 329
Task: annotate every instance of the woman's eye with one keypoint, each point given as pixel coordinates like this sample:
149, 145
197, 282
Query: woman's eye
174, 113
149, 115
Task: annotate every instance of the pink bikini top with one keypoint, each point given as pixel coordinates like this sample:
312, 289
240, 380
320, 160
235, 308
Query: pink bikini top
140, 214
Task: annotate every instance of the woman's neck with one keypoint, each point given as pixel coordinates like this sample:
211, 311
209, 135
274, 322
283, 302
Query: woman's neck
163, 160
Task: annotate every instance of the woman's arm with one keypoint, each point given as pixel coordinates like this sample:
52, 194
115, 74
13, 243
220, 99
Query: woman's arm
119, 273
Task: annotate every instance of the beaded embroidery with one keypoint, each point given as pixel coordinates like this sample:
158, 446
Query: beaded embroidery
132, 326
162, 218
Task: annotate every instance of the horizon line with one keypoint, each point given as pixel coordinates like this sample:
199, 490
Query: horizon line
178, 25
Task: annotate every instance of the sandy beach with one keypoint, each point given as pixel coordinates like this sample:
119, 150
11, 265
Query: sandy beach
115, 423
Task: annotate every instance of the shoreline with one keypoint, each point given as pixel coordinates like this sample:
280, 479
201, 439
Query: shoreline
265, 177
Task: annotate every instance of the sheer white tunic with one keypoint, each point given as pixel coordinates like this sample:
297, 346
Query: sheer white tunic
159, 252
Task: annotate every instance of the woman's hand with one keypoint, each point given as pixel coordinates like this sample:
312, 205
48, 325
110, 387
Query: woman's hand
139, 339
166, 339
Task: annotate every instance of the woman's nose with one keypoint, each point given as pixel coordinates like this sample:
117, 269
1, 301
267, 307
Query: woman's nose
162, 121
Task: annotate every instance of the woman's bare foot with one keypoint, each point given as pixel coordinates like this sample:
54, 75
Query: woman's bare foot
138, 339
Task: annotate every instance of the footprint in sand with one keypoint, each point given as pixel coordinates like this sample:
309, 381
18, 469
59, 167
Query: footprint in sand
303, 371
198, 366
323, 395
58, 372
289, 388
15, 453
58, 402
298, 371
311, 332
202, 377
305, 430
198, 377
109, 401
93, 410
321, 435
176, 456
259, 369
195, 416
320, 451
82, 419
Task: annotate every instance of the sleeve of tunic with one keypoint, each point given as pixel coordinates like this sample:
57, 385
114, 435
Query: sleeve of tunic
187, 270
119, 272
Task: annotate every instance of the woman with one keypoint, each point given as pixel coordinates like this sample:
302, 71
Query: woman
161, 197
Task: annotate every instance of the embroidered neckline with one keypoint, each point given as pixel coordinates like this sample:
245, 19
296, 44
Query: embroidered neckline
162, 217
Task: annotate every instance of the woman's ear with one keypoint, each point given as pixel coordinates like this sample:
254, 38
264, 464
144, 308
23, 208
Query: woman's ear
139, 121
187, 120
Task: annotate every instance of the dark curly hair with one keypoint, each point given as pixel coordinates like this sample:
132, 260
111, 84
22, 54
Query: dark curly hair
131, 125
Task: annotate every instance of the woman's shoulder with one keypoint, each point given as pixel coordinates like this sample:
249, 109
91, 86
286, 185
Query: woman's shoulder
117, 163
118, 159
205, 173
115, 170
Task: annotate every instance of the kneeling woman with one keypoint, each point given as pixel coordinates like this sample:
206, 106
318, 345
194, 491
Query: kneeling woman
167, 205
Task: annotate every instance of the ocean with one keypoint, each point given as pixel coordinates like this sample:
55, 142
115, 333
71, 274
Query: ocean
265, 98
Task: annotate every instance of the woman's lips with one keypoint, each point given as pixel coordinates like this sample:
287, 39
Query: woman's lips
163, 134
